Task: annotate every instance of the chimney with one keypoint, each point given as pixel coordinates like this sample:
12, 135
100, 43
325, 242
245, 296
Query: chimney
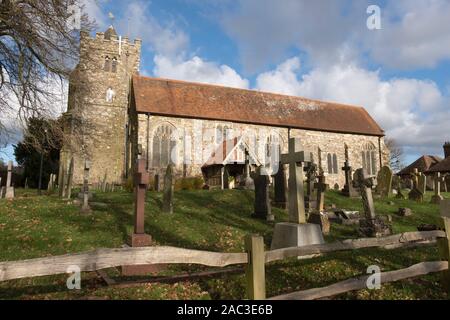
447, 149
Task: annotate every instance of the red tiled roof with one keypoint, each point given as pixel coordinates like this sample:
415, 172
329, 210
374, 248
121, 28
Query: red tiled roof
202, 101
423, 164
443, 166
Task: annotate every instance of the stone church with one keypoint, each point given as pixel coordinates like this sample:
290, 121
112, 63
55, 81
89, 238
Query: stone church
116, 115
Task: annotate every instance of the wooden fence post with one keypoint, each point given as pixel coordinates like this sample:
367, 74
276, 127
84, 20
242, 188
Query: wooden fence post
445, 245
255, 271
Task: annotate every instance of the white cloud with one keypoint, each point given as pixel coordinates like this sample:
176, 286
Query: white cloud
199, 70
415, 33
411, 111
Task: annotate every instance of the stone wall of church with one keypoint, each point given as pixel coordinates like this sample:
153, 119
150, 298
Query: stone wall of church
98, 100
193, 149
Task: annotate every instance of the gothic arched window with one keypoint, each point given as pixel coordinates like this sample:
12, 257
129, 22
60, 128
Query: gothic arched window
162, 146
114, 65
332, 163
107, 66
369, 159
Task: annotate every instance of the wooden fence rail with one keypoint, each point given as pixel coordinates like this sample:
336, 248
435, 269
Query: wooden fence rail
109, 258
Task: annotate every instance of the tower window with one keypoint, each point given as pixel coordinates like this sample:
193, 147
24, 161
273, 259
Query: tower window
114, 65
107, 66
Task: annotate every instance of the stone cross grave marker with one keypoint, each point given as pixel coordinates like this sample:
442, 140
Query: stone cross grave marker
311, 176
415, 194
321, 187
247, 181
262, 199
167, 205
139, 238
85, 208
370, 226
398, 183
348, 190
438, 180
384, 182
10, 191
295, 158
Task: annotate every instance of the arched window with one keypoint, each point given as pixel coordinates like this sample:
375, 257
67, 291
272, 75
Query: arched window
369, 159
332, 163
107, 66
114, 65
162, 146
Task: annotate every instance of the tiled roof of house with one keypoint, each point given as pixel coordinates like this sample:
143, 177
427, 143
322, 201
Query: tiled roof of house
423, 164
210, 102
443, 166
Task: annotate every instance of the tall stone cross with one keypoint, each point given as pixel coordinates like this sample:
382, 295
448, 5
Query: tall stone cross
415, 178
321, 187
141, 180
86, 207
295, 159
364, 183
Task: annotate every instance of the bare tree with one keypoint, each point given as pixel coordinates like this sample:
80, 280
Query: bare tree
396, 154
38, 50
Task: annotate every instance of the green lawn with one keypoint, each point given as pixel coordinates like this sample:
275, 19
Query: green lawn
32, 227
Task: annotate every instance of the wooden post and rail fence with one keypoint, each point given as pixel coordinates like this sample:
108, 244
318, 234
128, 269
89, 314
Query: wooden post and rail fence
255, 259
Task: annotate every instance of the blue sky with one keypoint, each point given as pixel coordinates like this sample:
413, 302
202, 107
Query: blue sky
316, 49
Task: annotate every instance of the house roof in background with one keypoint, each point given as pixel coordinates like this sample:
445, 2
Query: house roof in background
175, 98
443, 166
423, 164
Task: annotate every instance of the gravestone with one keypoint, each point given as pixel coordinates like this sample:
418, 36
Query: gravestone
51, 183
320, 187
10, 190
167, 205
262, 207
157, 183
415, 194
139, 238
2, 192
26, 183
321, 219
348, 190
85, 208
246, 181
438, 180
371, 225
61, 180
422, 183
398, 184
384, 182
103, 183
280, 188
68, 192
405, 212
296, 232
311, 177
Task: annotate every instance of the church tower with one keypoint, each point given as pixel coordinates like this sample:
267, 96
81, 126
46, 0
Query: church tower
97, 114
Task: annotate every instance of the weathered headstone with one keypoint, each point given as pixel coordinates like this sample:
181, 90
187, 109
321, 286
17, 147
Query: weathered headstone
320, 187
296, 232
26, 183
438, 180
10, 190
311, 177
398, 184
371, 225
321, 219
415, 194
405, 212
384, 182
422, 183
167, 205
246, 181
51, 182
280, 188
262, 199
85, 208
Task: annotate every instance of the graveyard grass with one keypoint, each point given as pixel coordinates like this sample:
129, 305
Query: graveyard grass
32, 227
